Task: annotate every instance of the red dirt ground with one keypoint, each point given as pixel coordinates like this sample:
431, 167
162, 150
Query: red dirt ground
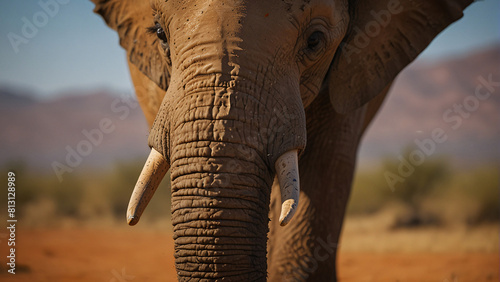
137, 255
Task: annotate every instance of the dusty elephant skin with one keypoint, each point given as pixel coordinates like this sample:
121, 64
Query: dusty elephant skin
233, 91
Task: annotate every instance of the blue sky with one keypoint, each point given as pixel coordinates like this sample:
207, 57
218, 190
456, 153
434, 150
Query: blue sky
75, 50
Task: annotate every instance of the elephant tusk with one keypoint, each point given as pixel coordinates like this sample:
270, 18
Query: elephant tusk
151, 175
287, 168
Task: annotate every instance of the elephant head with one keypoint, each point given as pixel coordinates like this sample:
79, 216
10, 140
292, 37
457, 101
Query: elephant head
236, 77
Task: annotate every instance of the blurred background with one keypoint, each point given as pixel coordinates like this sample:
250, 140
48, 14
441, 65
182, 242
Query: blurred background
63, 73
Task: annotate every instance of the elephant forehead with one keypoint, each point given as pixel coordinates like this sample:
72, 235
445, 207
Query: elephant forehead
242, 24
256, 21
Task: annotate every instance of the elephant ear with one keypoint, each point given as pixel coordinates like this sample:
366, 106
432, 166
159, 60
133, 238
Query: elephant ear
131, 19
383, 37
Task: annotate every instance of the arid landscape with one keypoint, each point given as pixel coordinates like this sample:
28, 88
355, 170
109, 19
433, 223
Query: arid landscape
368, 252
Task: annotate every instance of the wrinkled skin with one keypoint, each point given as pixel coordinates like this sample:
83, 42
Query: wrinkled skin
230, 86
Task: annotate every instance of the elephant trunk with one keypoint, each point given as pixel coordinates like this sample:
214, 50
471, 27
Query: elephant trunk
220, 205
220, 191
224, 147
219, 215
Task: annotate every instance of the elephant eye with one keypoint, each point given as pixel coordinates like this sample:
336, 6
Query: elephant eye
160, 33
315, 40
314, 46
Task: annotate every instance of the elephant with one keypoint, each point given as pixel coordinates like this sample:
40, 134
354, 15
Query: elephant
240, 97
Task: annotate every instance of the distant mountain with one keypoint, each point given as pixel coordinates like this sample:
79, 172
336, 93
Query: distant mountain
10, 97
430, 95
43, 132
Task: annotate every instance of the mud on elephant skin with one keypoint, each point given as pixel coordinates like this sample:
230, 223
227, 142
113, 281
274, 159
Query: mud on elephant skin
233, 91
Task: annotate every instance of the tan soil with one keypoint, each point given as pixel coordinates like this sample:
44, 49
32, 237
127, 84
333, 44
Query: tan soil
116, 255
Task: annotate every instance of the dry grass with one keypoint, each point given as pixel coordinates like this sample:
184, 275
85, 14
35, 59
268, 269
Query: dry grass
373, 233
